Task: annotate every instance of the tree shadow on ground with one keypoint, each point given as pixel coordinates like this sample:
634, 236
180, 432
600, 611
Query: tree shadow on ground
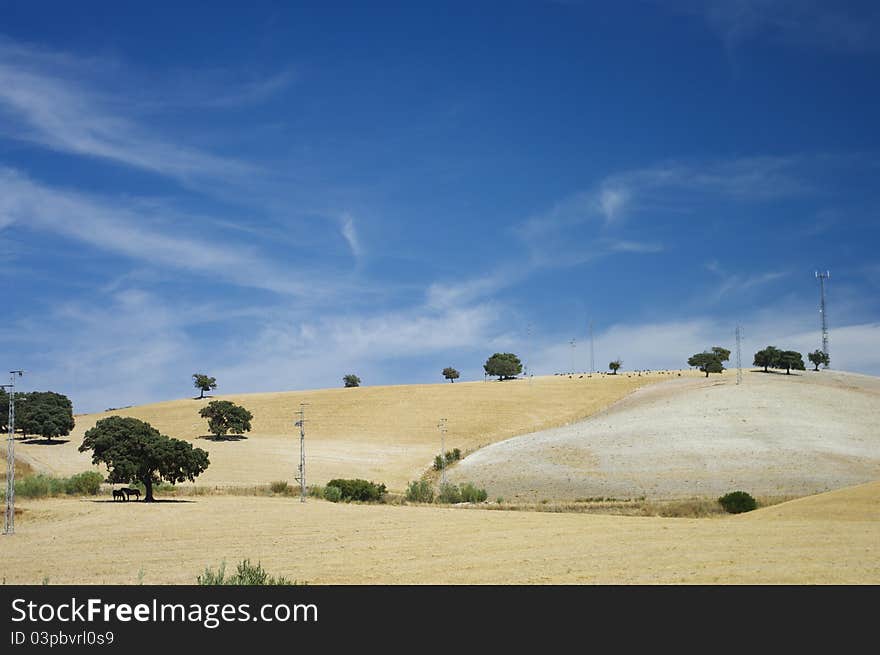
761, 370
36, 441
129, 502
225, 437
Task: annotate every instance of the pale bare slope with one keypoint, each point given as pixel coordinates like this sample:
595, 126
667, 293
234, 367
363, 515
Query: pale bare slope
773, 435
387, 434
831, 538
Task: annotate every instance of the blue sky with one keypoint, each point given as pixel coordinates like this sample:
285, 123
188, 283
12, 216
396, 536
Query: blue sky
278, 195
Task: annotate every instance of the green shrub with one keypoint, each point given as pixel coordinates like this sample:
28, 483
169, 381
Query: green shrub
420, 491
471, 494
359, 490
315, 491
441, 461
332, 493
38, 486
449, 493
278, 486
87, 483
246, 574
737, 502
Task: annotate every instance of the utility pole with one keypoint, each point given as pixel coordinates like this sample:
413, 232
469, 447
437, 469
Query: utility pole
822, 277
301, 423
739, 365
530, 368
592, 354
442, 427
9, 523
572, 342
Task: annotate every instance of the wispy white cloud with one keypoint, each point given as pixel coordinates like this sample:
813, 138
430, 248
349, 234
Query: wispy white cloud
349, 233
739, 283
604, 219
127, 229
44, 103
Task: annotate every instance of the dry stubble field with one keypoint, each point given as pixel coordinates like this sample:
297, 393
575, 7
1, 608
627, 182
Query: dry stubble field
829, 538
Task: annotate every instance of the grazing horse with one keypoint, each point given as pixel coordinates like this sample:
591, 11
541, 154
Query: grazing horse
131, 492
119, 493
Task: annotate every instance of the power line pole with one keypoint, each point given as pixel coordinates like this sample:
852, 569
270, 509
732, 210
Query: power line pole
822, 277
530, 367
592, 357
301, 423
572, 342
739, 364
9, 523
442, 427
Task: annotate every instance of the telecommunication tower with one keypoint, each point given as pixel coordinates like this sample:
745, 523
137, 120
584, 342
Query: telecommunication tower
824, 320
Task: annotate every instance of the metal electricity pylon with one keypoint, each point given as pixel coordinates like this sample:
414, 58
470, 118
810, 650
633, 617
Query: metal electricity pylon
301, 478
9, 522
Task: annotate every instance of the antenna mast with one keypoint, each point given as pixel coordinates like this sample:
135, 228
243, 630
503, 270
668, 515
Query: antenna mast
9, 522
822, 277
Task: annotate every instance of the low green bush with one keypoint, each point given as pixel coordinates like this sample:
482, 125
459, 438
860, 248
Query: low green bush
737, 502
332, 493
358, 490
87, 483
471, 494
442, 461
449, 493
420, 491
246, 574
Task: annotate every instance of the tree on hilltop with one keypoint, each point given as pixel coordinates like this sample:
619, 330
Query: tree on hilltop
505, 365
225, 416
135, 451
450, 374
723, 354
204, 383
767, 357
615, 366
818, 357
351, 380
707, 362
790, 359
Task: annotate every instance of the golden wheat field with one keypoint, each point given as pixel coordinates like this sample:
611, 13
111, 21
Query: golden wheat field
829, 538
388, 434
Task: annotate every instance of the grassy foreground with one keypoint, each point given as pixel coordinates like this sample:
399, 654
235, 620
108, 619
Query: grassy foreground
828, 538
